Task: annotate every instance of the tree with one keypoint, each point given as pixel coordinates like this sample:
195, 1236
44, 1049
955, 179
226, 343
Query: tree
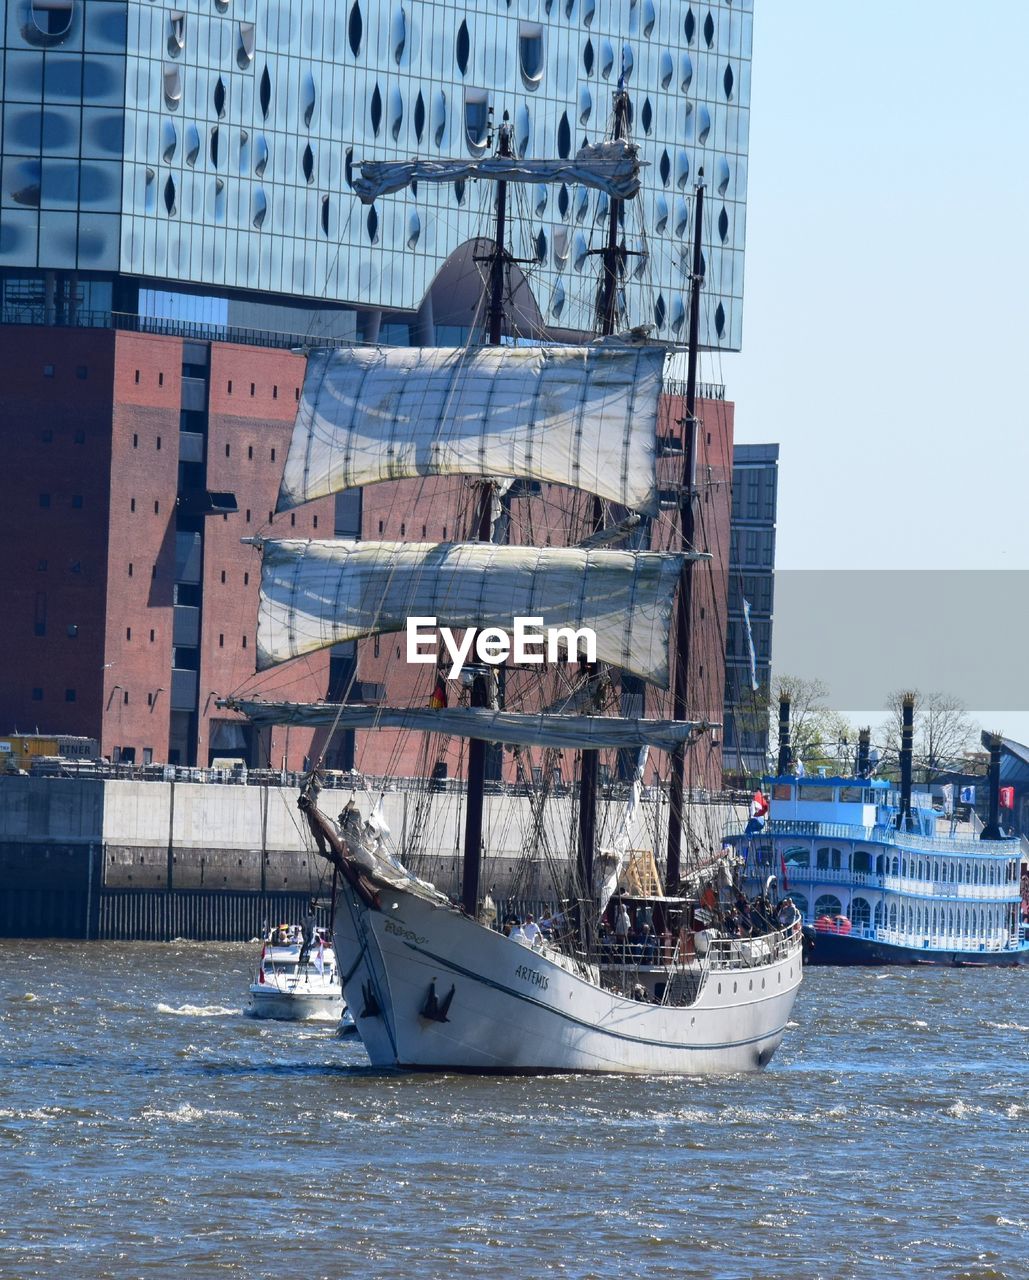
943, 731
819, 736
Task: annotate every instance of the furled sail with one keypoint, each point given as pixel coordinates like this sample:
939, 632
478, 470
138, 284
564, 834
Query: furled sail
571, 732
612, 167
316, 594
579, 416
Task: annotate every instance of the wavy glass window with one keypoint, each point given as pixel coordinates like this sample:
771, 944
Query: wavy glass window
476, 119
531, 57
245, 42
51, 18
176, 33
172, 87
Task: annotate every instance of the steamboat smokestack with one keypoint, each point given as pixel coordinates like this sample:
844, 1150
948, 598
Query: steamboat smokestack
907, 737
864, 739
992, 829
785, 752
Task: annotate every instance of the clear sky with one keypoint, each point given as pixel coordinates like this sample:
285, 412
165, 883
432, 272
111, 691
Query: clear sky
887, 280
887, 291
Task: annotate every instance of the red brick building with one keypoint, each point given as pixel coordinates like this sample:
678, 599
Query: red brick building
135, 465
130, 606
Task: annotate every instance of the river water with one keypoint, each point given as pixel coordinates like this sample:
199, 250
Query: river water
148, 1129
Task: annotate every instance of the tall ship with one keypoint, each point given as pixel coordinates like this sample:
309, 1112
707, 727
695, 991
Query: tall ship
880, 877
617, 982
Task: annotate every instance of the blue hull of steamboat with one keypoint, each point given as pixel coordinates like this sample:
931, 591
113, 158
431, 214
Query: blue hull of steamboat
840, 949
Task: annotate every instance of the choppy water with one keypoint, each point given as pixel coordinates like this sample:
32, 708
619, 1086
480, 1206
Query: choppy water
148, 1129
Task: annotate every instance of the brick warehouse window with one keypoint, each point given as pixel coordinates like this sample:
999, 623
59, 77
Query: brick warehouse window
130, 568
158, 442
223, 575
228, 450
253, 388
275, 393
229, 387
125, 696
160, 379
250, 452
152, 635
244, 642
157, 507
128, 633
273, 455
221, 641
137, 375
135, 441
132, 504
246, 579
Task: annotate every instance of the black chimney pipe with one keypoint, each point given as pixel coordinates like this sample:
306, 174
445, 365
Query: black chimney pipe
785, 751
907, 737
864, 738
992, 829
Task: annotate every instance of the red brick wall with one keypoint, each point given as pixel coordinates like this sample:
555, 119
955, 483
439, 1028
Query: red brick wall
710, 582
54, 569
144, 483
249, 433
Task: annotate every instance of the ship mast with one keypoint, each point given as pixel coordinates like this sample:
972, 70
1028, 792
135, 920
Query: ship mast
480, 684
607, 310
687, 522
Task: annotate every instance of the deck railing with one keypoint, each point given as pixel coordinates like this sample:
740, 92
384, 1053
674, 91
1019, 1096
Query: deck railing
749, 953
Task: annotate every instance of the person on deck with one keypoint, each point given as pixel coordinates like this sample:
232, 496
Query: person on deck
308, 929
517, 933
532, 933
622, 927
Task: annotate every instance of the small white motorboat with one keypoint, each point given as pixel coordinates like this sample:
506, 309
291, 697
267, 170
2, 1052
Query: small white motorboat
295, 980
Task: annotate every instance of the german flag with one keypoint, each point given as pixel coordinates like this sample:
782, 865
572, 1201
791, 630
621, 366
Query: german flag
439, 695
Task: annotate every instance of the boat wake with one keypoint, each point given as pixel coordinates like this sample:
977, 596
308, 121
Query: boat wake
199, 1011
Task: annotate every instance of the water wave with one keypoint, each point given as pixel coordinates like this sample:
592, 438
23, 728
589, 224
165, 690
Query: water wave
199, 1010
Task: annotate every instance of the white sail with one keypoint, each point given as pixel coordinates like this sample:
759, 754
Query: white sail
579, 416
539, 730
612, 167
316, 594
615, 858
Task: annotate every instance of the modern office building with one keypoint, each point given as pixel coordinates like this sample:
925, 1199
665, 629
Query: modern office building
177, 218
755, 482
210, 145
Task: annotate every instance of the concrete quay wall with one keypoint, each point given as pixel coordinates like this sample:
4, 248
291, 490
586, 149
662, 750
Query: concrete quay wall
70, 847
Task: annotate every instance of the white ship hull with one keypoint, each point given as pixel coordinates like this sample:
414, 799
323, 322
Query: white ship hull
294, 1006
516, 1010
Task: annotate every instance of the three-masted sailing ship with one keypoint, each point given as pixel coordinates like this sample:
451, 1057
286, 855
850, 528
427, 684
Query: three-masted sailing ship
433, 983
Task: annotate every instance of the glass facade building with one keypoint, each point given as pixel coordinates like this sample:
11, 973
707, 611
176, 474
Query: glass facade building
212, 144
755, 484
